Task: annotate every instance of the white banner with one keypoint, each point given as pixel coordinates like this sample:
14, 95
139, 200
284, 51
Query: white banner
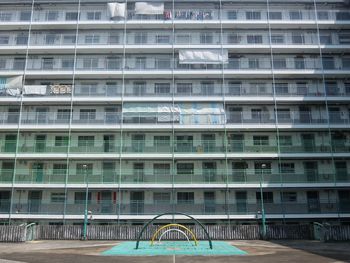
199, 56
116, 9
148, 8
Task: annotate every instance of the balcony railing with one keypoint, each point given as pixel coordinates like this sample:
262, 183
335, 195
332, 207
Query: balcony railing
167, 176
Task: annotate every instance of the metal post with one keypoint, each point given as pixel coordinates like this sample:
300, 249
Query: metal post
263, 218
86, 202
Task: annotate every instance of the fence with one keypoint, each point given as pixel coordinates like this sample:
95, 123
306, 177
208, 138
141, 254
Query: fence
127, 232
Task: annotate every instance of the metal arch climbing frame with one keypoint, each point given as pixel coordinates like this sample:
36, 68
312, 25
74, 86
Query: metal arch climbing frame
174, 229
175, 213
177, 225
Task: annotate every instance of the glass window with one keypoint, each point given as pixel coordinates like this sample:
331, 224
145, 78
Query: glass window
232, 15
69, 39
285, 140
71, 16
277, 39
88, 114
90, 63
86, 141
253, 15
185, 198
275, 15
162, 88
253, 63
343, 15
84, 168
260, 140
92, 39
267, 197
161, 169
4, 40
281, 88
52, 15
67, 63
2, 63
93, 15
184, 88
322, 15
279, 63
113, 38
289, 197
161, 198
4, 16
295, 15
254, 39
80, 197
22, 39
344, 38
25, 16
206, 38
185, 168
233, 39
346, 63
140, 38
47, 63
58, 197
287, 168
162, 39
61, 141
298, 38
183, 39
19, 63
262, 168
59, 169
325, 39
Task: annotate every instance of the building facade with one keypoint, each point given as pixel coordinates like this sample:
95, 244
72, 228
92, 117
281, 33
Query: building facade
229, 111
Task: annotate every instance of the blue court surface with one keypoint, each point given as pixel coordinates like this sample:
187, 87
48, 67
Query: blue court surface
173, 248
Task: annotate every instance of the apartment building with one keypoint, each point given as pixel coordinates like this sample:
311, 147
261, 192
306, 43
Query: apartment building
230, 111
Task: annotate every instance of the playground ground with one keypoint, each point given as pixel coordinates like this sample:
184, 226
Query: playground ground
90, 252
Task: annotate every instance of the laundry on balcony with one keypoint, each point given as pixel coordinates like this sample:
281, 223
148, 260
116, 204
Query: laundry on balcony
200, 56
167, 15
35, 90
11, 86
116, 9
61, 89
148, 8
193, 15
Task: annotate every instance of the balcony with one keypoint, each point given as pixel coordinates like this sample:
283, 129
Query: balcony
144, 178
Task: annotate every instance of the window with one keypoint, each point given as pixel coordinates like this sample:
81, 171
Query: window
163, 63
93, 15
260, 140
50, 39
162, 169
71, 16
253, 15
256, 114
298, 38
295, 15
52, 16
233, 39
347, 87
88, 114
88, 88
67, 63
22, 39
2, 63
343, 16
5, 16
58, 197
19, 63
161, 141
289, 197
162, 39
253, 63
63, 114
90, 63
331, 87
92, 39
275, 15
69, 39
86, 141
185, 168
185, 198
285, 140
207, 88
84, 168
326, 39
162, 88
25, 16
281, 88
287, 168
79, 197
47, 63
262, 168
113, 38
59, 169
254, 39
140, 38
61, 141
4, 40
183, 39
184, 88
257, 88
346, 63
279, 63
232, 15
322, 15
344, 38
277, 39
283, 115
206, 38
161, 198
267, 197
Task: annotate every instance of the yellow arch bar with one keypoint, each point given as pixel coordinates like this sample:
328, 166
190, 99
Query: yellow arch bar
178, 225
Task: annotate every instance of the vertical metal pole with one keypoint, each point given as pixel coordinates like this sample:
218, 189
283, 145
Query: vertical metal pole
263, 218
86, 202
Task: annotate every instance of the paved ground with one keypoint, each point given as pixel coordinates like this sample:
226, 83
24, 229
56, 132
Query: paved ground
258, 251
